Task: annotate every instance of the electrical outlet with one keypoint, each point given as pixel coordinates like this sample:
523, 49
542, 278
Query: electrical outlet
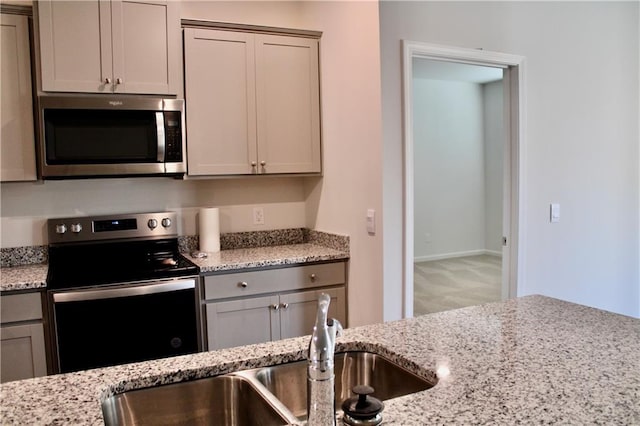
258, 216
427, 237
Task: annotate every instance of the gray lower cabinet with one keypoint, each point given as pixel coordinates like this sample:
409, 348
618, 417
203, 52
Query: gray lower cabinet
22, 345
261, 306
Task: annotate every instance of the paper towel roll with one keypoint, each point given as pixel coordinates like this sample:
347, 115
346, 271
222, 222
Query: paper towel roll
209, 225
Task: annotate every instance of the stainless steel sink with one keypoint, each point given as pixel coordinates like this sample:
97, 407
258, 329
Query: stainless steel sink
274, 395
288, 382
223, 400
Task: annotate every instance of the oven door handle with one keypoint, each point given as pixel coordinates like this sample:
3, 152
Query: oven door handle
137, 290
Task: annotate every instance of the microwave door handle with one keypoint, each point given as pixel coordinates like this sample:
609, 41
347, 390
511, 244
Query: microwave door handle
161, 135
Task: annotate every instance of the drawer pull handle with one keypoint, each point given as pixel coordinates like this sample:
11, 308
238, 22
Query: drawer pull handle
313, 277
275, 306
243, 284
284, 305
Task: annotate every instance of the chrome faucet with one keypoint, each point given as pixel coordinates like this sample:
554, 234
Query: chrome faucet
320, 378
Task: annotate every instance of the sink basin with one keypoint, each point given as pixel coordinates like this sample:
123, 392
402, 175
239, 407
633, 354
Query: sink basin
288, 382
223, 400
274, 395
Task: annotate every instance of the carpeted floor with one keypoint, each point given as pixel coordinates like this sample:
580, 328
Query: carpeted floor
441, 285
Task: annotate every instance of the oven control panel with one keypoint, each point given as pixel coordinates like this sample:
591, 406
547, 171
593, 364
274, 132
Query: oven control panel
116, 226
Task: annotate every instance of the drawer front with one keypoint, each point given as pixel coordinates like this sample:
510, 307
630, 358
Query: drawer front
273, 280
20, 307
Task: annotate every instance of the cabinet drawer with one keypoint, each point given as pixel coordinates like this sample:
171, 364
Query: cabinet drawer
273, 280
20, 307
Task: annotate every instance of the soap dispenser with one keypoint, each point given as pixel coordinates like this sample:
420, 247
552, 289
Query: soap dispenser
363, 409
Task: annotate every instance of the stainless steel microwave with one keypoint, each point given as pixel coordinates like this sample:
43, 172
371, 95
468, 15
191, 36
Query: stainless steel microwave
110, 136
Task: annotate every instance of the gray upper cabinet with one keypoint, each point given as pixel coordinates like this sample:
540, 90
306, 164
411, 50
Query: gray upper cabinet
115, 46
252, 103
17, 145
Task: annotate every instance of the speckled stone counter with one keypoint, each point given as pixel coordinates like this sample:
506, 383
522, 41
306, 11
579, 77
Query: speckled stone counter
27, 277
259, 257
532, 360
240, 250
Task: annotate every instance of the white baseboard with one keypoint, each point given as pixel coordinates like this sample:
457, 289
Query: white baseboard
456, 254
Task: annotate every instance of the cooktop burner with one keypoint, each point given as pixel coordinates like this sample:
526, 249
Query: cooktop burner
92, 251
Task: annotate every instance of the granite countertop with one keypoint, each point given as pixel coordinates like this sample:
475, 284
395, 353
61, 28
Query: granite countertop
257, 257
33, 277
529, 360
27, 277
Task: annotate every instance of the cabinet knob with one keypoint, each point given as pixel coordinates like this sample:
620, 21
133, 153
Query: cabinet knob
284, 305
263, 163
253, 164
312, 277
119, 80
275, 306
243, 284
107, 80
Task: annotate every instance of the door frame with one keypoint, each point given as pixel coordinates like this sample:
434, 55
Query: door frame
514, 155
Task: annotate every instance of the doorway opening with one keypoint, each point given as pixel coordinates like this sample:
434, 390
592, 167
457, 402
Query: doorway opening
458, 144
463, 139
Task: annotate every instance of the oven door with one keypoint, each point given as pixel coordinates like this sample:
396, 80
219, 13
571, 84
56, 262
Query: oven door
101, 327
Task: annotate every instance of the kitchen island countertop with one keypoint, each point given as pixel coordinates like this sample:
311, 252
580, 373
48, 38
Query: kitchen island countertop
529, 360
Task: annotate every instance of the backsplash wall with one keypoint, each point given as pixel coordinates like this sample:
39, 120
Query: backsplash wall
25, 207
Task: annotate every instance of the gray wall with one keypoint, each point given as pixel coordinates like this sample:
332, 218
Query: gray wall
458, 155
449, 168
494, 137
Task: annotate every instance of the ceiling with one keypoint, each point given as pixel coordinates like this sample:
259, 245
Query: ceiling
442, 70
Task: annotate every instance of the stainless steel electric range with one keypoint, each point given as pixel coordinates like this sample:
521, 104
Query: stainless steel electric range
119, 291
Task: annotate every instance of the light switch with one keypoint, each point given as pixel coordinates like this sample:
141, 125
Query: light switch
555, 213
371, 221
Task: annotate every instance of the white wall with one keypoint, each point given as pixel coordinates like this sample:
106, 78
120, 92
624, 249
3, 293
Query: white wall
26, 206
352, 140
494, 137
581, 137
449, 171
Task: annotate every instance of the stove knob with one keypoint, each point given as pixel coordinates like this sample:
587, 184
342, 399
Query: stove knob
61, 229
152, 224
166, 222
76, 228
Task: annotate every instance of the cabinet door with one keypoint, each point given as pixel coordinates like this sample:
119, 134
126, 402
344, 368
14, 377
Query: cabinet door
288, 104
146, 46
75, 45
242, 322
22, 352
298, 311
17, 145
220, 102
